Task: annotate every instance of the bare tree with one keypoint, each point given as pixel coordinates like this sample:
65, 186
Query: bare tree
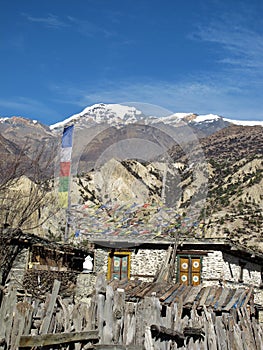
26, 191
27, 200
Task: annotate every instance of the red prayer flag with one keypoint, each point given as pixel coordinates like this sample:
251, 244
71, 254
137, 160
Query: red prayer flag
64, 169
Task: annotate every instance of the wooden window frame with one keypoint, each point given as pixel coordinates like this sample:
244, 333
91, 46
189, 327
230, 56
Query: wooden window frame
189, 257
110, 260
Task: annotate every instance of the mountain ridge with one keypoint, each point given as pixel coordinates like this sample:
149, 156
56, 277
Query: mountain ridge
232, 165
116, 113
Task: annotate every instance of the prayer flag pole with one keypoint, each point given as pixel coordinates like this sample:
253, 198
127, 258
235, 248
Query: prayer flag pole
65, 172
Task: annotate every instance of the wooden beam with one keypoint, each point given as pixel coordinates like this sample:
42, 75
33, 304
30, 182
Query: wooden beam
57, 338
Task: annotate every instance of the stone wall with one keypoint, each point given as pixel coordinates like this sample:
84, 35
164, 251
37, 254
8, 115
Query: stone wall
146, 262
85, 287
223, 268
217, 268
17, 271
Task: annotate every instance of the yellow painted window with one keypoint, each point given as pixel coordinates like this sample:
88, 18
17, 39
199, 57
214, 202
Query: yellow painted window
119, 264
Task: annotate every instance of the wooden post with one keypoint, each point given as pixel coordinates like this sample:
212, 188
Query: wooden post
118, 316
47, 319
108, 316
20, 321
129, 327
6, 316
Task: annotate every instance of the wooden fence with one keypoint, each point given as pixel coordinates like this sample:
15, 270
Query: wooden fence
109, 321
32, 323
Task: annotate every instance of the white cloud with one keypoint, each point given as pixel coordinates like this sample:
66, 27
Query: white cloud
26, 107
84, 27
50, 21
189, 96
241, 45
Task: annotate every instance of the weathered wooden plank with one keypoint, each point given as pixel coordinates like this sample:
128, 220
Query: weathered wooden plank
248, 329
247, 299
100, 300
169, 292
194, 291
57, 338
117, 347
211, 296
154, 317
143, 318
129, 326
169, 332
108, 316
118, 315
20, 318
234, 300
238, 344
221, 300
221, 334
195, 318
148, 340
77, 322
204, 297
64, 317
216, 296
90, 316
211, 336
47, 319
258, 329
242, 298
181, 296
29, 317
163, 273
145, 290
6, 314
18, 324
230, 333
137, 289
174, 294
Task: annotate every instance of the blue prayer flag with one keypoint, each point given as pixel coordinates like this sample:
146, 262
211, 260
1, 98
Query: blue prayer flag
67, 136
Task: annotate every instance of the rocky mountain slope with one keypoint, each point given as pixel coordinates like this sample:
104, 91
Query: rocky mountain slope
213, 191
230, 206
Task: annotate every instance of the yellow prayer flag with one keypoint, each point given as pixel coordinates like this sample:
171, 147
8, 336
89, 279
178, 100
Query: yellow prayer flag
63, 199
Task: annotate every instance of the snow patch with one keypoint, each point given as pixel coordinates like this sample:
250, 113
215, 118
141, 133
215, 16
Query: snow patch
3, 119
206, 118
244, 122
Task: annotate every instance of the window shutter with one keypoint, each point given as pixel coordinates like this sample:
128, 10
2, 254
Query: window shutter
196, 269
190, 270
119, 265
184, 270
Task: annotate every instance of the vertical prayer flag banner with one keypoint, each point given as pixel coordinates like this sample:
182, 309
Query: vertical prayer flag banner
65, 165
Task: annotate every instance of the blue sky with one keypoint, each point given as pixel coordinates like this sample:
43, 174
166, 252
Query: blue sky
57, 57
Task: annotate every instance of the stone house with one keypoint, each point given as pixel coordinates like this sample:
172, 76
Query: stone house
210, 262
35, 262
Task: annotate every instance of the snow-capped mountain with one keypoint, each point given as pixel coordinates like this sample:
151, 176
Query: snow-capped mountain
116, 114
112, 114
32, 136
